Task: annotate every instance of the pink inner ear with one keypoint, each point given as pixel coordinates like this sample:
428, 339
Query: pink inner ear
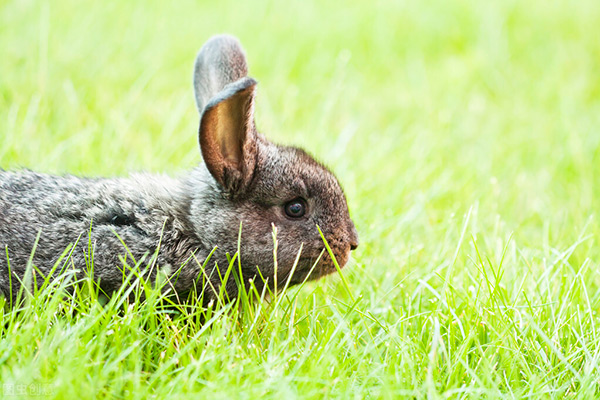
231, 132
227, 137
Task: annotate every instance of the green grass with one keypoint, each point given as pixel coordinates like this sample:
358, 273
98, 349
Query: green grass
466, 136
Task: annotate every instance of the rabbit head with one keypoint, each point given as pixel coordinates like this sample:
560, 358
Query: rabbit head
247, 180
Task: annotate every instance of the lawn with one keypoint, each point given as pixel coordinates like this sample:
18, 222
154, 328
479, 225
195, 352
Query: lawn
466, 136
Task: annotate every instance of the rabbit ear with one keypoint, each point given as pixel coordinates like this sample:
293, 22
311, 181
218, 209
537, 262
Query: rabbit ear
228, 135
220, 62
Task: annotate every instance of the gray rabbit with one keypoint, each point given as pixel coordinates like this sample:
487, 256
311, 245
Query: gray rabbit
245, 181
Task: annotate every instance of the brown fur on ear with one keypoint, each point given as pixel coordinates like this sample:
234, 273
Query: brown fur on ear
228, 137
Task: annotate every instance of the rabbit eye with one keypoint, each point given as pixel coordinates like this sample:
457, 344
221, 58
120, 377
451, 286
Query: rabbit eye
295, 208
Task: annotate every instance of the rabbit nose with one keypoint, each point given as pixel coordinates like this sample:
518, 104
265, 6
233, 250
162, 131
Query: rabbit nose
353, 236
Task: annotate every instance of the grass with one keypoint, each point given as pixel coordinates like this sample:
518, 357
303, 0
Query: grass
466, 136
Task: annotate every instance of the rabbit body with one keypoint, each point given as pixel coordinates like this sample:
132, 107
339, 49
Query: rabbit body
246, 182
141, 211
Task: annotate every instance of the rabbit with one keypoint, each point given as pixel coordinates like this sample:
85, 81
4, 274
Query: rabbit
245, 187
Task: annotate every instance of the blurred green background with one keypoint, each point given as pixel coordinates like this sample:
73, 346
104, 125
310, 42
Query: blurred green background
465, 134
422, 109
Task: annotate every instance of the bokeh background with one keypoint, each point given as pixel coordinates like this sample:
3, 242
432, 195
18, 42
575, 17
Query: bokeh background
465, 134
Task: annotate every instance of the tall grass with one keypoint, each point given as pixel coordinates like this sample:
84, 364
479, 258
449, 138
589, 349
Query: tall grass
466, 138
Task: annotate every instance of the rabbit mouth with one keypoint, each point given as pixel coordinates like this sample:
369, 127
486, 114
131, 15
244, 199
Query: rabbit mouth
319, 265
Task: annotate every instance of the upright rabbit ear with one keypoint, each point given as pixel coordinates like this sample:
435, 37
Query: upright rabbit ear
220, 62
228, 135
225, 100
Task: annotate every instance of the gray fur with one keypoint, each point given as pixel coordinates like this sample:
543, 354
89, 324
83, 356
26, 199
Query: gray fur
220, 61
182, 219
